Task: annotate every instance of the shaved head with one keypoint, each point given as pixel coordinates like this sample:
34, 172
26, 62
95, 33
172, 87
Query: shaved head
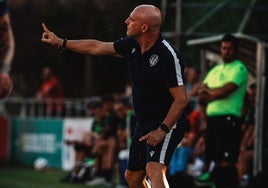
150, 15
144, 24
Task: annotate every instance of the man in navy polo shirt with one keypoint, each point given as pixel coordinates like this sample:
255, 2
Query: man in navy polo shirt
159, 95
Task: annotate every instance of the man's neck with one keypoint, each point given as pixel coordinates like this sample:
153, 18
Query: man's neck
147, 41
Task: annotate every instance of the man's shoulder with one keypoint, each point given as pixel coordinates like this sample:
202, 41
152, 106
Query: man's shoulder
168, 48
237, 61
239, 64
167, 44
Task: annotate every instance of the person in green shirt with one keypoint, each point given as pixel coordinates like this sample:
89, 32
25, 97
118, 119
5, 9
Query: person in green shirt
223, 89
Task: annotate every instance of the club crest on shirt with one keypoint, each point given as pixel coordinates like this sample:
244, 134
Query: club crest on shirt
153, 60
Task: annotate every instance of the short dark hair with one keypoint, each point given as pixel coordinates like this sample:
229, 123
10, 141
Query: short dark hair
230, 38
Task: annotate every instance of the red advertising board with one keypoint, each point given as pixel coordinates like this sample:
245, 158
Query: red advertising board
4, 138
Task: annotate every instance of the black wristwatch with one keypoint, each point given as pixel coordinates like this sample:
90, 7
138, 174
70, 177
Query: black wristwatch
164, 127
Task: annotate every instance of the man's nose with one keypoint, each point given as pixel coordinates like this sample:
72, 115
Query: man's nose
126, 21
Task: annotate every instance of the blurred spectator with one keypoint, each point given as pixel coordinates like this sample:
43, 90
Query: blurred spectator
245, 160
125, 124
98, 144
128, 90
7, 49
184, 153
197, 166
51, 92
120, 110
192, 75
103, 144
108, 102
198, 162
249, 106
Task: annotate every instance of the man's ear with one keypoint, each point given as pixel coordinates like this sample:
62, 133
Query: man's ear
145, 28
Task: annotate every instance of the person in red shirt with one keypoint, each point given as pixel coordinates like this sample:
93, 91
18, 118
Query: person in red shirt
51, 92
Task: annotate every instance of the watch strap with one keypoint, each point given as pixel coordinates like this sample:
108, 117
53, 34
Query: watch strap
164, 127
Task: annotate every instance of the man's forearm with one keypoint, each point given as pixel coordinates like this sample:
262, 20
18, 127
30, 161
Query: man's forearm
89, 46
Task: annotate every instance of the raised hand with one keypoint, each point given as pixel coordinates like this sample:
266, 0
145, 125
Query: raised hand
50, 38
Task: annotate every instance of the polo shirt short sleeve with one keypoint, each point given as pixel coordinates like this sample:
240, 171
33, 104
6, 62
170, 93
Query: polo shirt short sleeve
152, 74
234, 72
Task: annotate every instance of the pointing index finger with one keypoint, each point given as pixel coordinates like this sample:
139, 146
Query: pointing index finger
45, 27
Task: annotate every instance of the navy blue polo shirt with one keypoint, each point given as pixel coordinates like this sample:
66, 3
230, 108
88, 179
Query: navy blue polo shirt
152, 74
3, 7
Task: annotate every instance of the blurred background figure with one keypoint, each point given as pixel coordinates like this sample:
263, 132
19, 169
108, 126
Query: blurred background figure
128, 90
51, 92
102, 139
245, 160
125, 124
184, 153
98, 144
192, 75
7, 49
